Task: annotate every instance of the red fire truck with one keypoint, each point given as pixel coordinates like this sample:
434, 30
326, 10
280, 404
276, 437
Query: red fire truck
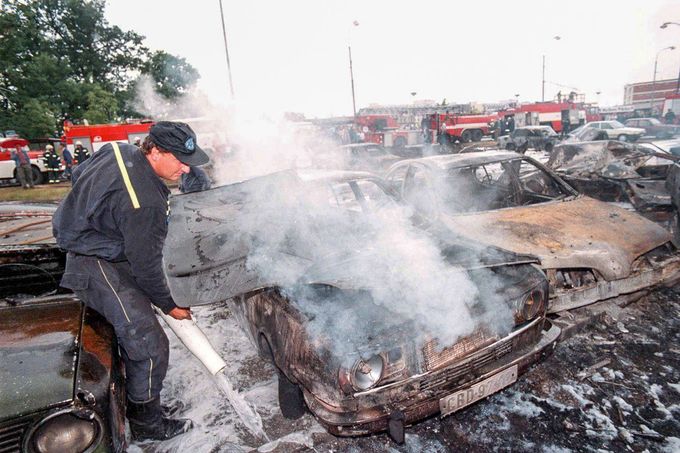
459, 128
7, 165
552, 114
95, 136
384, 130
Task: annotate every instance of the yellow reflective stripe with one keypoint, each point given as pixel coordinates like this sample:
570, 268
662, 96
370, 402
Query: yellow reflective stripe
126, 178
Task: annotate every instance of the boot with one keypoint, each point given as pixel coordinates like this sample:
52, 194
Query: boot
147, 421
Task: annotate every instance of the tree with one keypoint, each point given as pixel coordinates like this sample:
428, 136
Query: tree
64, 56
172, 75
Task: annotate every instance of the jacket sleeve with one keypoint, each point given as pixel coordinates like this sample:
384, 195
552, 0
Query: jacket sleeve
144, 230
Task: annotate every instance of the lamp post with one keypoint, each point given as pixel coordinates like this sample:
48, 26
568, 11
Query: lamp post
517, 100
556, 38
656, 59
351, 71
665, 25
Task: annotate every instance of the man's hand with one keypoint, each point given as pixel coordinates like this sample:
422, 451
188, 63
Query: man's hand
180, 313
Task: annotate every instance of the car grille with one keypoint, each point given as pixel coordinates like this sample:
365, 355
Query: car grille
435, 358
11, 435
451, 375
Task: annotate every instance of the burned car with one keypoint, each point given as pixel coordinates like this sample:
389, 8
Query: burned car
61, 384
590, 250
371, 322
631, 175
654, 127
535, 137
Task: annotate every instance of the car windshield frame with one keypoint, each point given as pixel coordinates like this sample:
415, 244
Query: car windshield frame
615, 124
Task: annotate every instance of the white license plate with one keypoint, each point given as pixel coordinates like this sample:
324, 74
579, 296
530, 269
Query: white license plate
463, 398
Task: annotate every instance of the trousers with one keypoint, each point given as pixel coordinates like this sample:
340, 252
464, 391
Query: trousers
110, 289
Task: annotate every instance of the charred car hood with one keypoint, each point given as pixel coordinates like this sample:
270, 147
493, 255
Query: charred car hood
206, 254
38, 355
578, 233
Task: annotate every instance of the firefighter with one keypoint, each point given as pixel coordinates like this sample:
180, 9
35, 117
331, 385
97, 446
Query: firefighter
52, 163
113, 225
81, 153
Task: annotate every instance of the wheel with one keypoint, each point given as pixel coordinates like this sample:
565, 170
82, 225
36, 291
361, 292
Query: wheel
622, 138
549, 147
466, 136
400, 142
36, 175
510, 146
291, 400
477, 135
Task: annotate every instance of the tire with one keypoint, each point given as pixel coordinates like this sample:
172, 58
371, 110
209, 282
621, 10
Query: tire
466, 136
477, 135
291, 400
549, 147
37, 176
622, 138
510, 146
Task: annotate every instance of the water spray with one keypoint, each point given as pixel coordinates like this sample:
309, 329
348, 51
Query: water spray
198, 344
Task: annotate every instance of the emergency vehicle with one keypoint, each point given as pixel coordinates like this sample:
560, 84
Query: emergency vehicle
552, 114
95, 136
384, 130
7, 165
459, 128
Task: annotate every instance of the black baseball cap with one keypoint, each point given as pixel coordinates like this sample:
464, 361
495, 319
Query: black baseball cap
180, 140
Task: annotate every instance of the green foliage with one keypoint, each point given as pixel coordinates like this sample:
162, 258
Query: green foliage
62, 59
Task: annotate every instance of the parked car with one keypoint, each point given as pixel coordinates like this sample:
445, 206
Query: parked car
653, 126
359, 365
590, 250
61, 380
586, 134
523, 138
617, 131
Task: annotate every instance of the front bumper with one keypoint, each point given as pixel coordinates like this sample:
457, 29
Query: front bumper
665, 272
418, 397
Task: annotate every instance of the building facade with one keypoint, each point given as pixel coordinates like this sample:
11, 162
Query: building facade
649, 95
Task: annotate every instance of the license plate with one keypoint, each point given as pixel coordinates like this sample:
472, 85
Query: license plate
476, 392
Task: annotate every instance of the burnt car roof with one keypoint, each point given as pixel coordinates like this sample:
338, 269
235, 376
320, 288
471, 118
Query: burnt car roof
462, 160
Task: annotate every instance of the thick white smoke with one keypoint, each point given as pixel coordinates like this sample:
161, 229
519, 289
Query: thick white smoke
313, 230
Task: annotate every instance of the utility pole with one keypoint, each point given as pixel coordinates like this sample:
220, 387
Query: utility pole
543, 82
226, 51
351, 77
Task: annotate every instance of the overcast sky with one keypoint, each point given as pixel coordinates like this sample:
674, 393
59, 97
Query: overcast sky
292, 55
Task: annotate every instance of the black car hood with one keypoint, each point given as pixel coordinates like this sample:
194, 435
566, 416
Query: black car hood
38, 356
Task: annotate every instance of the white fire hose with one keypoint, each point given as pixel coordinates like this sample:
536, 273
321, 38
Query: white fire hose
196, 342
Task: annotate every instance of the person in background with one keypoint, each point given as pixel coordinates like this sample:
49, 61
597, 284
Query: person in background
81, 154
194, 181
24, 172
137, 142
52, 163
68, 160
669, 117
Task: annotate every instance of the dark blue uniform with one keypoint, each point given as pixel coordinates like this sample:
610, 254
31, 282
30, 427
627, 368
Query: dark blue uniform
114, 234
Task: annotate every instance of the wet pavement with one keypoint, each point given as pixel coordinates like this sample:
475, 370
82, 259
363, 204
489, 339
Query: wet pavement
614, 386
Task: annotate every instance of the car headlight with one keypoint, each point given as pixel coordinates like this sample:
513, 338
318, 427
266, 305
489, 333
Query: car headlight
66, 431
530, 305
367, 372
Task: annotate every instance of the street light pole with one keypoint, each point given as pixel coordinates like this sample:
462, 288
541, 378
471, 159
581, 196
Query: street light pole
556, 38
656, 60
665, 25
226, 51
351, 70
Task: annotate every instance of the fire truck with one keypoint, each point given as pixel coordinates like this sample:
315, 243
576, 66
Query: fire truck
552, 114
7, 165
384, 130
453, 128
95, 136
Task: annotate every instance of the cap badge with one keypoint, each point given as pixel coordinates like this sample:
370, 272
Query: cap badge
189, 144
